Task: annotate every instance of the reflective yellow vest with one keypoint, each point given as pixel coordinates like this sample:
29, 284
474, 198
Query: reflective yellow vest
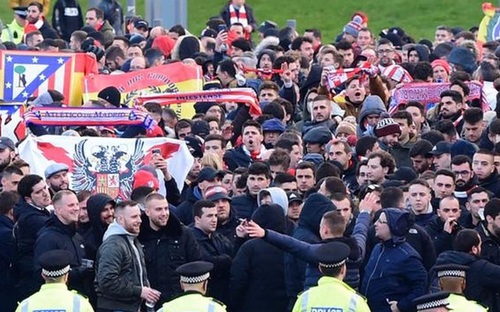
331, 295
459, 303
193, 302
12, 32
55, 296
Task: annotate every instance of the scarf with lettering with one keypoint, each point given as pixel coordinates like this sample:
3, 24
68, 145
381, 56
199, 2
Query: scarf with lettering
235, 95
87, 116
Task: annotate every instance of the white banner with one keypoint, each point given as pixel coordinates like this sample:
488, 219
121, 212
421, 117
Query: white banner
104, 165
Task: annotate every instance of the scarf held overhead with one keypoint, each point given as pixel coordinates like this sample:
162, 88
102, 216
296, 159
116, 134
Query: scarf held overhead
68, 116
238, 95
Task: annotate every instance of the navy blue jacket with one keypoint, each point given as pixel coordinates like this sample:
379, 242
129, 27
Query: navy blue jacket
185, 210
245, 205
307, 231
7, 294
236, 157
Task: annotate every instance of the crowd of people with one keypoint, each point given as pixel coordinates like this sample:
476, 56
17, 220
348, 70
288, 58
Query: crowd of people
340, 196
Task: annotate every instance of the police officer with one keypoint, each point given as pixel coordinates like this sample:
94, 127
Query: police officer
194, 279
14, 31
451, 279
436, 302
54, 294
332, 265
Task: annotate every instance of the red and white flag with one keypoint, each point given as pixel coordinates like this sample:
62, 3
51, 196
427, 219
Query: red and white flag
104, 165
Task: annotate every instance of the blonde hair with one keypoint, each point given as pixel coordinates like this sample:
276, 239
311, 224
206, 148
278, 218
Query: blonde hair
212, 160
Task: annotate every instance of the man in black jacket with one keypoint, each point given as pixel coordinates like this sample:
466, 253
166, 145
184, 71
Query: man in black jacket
483, 165
60, 233
66, 18
167, 245
37, 21
444, 229
489, 230
259, 177
31, 214
215, 248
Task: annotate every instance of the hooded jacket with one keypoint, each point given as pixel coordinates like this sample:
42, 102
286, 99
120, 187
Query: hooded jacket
482, 278
371, 106
394, 271
422, 51
93, 237
257, 272
307, 231
120, 270
279, 197
165, 250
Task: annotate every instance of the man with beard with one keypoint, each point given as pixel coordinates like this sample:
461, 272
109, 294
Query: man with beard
168, 244
259, 177
37, 22
420, 156
385, 53
451, 108
401, 150
483, 165
461, 166
380, 164
226, 216
387, 132
442, 155
57, 178
321, 114
489, 230
476, 202
7, 152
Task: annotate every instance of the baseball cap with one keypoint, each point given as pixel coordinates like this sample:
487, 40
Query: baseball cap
441, 148
140, 23
294, 197
267, 25
208, 174
145, 178
216, 192
6, 142
55, 168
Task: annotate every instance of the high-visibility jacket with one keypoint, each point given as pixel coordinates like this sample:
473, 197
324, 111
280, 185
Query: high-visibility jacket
13, 32
55, 297
330, 295
193, 302
459, 303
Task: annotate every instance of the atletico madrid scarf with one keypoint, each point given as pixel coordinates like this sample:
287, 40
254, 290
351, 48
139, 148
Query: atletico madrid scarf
71, 116
337, 78
238, 17
238, 95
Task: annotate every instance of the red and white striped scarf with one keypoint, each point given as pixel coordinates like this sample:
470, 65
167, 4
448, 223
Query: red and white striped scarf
238, 17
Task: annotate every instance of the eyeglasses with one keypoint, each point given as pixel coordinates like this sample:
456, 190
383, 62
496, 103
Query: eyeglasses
446, 210
462, 173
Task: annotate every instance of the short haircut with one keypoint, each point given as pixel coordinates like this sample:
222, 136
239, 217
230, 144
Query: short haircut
170, 112
384, 41
422, 71
123, 39
7, 201
284, 177
485, 151
282, 60
79, 35
286, 144
446, 126
29, 36
287, 105
416, 104
268, 84
492, 208
113, 52
306, 165
343, 45
334, 222
364, 144
455, 95
433, 136
60, 195
461, 159
10, 170
37, 4
275, 109
386, 160
228, 66
154, 196
403, 115
83, 195
465, 240
199, 205
359, 165
391, 197
421, 148
419, 182
449, 197
121, 205
447, 173
178, 29
334, 185
251, 123
258, 168
20, 163
216, 137
473, 115
183, 123
26, 184
347, 147
494, 126
316, 32
99, 14
140, 193
480, 189
153, 107
327, 169
280, 157
465, 88
297, 42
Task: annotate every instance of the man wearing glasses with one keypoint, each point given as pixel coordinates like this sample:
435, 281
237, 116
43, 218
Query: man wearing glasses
385, 53
444, 229
461, 165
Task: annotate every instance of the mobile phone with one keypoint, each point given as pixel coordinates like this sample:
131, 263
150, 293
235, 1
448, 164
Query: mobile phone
156, 151
291, 23
222, 27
